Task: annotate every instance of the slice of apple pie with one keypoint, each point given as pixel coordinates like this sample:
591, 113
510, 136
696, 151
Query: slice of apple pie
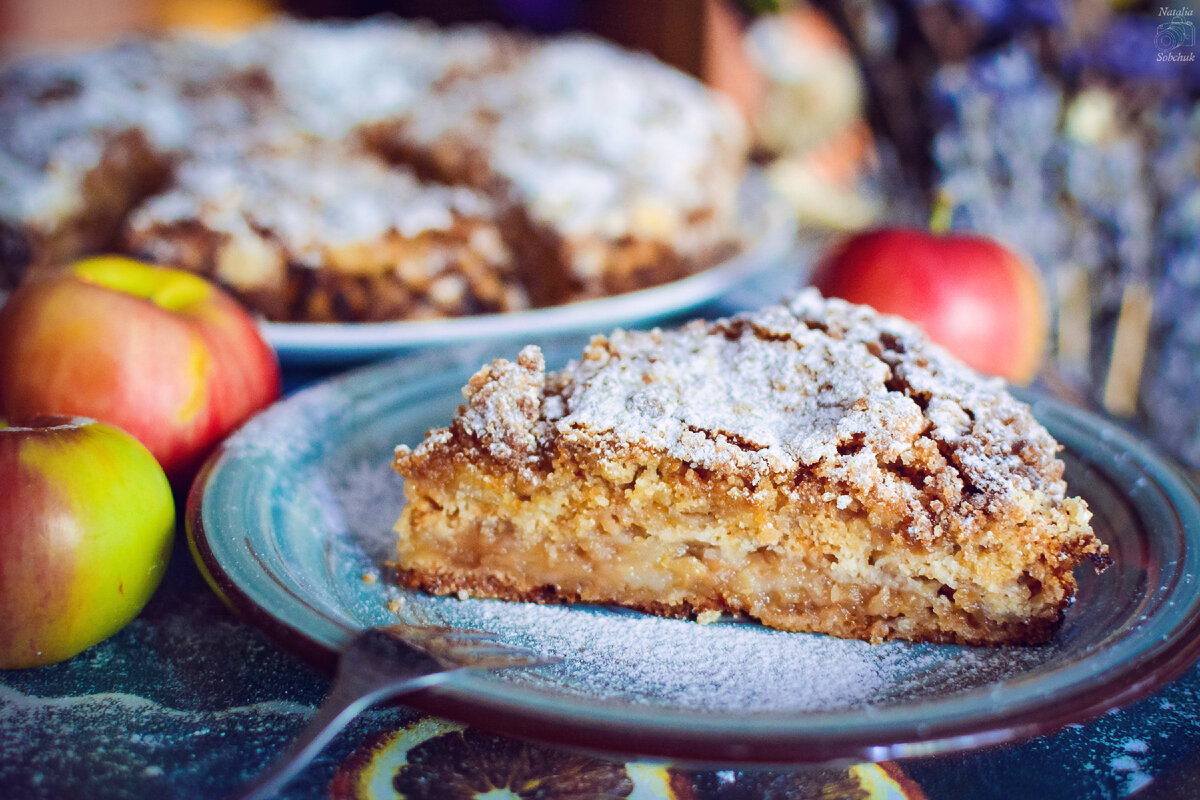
813, 465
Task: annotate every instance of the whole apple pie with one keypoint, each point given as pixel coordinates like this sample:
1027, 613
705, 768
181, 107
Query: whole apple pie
814, 465
372, 170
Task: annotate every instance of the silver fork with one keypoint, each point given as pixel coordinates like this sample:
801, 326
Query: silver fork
381, 663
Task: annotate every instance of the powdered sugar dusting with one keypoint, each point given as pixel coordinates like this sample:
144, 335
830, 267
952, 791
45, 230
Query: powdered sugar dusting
594, 140
651, 660
787, 386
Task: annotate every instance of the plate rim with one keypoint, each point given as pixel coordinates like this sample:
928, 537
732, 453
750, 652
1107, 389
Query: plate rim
763, 738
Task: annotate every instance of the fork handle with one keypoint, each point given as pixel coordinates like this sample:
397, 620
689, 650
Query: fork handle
333, 715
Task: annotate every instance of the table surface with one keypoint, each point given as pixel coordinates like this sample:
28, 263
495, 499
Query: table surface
190, 702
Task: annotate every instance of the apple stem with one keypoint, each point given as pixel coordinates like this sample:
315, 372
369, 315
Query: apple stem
942, 213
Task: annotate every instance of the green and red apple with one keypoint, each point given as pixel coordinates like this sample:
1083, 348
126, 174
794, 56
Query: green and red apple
969, 293
87, 518
158, 352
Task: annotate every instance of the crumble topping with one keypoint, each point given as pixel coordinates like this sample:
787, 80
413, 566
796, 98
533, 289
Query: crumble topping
813, 387
311, 199
504, 404
592, 139
595, 140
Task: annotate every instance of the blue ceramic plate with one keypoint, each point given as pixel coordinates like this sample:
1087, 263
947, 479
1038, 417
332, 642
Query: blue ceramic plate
765, 225
291, 521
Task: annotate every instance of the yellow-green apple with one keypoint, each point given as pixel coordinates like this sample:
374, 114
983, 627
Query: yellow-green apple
971, 294
159, 352
87, 519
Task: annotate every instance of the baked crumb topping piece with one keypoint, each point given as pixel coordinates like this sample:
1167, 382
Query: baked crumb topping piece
341, 215
813, 407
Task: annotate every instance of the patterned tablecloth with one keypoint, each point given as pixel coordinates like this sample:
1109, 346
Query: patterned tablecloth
189, 702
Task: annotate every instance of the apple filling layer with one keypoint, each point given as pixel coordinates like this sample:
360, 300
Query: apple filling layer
657, 535
814, 466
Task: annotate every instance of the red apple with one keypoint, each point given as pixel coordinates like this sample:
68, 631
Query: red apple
87, 519
971, 294
161, 353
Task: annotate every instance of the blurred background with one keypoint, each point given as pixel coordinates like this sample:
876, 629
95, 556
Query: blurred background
1068, 130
